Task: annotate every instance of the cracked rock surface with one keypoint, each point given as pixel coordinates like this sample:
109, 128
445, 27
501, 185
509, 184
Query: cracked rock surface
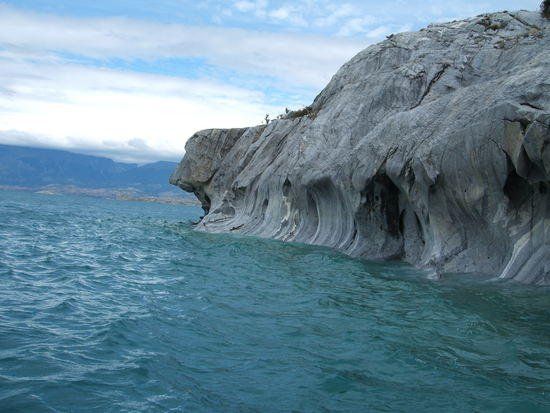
432, 147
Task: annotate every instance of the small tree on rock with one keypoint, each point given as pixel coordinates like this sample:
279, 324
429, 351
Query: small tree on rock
545, 8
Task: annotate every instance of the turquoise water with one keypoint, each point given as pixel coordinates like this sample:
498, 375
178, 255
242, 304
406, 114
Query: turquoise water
110, 306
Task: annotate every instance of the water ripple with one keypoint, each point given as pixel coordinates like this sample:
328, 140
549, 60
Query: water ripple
118, 306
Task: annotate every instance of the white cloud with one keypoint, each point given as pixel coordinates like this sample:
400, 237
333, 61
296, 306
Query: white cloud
244, 6
281, 13
129, 115
361, 25
301, 13
49, 99
258, 7
288, 14
335, 13
347, 18
295, 58
135, 150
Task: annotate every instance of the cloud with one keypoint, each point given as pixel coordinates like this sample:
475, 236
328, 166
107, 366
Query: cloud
75, 83
132, 151
361, 25
298, 13
124, 114
257, 7
351, 20
294, 59
246, 6
336, 13
288, 14
60, 85
354, 18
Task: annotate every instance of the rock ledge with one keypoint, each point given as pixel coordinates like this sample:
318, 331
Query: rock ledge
432, 147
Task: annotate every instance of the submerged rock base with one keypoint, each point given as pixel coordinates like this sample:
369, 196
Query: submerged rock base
432, 147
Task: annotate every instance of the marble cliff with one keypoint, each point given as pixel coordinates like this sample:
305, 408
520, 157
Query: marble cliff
432, 147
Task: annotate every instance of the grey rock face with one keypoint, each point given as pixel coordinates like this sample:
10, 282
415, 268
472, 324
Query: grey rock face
432, 147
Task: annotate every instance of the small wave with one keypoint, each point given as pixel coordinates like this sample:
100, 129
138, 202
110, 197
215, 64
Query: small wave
108, 308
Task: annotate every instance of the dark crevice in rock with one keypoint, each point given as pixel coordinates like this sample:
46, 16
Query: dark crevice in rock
381, 197
390, 207
265, 204
205, 201
240, 192
434, 80
420, 229
312, 214
532, 106
286, 187
524, 123
516, 189
226, 209
528, 169
402, 222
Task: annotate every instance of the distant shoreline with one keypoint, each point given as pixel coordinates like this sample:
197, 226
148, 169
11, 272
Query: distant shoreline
106, 193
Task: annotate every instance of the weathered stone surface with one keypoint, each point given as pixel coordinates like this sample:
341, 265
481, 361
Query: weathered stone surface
432, 147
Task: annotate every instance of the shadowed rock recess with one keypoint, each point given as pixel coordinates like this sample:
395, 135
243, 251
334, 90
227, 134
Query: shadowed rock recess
432, 147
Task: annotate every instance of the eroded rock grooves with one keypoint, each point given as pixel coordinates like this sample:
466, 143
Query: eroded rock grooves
432, 147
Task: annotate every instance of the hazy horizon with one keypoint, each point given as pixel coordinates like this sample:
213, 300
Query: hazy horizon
93, 152
132, 82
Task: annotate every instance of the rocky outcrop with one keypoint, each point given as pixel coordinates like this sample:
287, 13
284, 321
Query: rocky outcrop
432, 147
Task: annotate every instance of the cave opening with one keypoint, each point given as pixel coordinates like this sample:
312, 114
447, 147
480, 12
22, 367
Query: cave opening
286, 187
517, 189
381, 197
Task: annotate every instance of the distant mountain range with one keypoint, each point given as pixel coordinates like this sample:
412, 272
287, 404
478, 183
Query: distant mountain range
38, 168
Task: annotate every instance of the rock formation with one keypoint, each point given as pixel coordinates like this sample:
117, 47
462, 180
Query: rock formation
432, 147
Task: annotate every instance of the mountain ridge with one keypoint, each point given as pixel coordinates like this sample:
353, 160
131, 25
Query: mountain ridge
31, 167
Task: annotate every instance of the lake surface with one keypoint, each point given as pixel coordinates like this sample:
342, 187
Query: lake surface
110, 306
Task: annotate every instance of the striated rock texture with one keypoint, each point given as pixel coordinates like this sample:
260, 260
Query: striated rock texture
432, 147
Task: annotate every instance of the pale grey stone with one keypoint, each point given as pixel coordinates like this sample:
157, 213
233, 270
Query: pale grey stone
432, 147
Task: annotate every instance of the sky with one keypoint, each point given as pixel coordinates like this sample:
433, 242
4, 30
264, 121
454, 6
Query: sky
134, 79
